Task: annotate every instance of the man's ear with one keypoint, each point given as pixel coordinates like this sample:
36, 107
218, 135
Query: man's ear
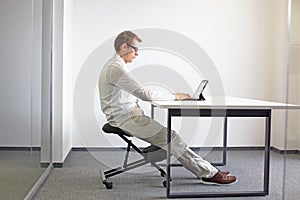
123, 47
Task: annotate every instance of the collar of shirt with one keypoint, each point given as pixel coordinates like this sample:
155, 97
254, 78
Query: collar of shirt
122, 62
119, 58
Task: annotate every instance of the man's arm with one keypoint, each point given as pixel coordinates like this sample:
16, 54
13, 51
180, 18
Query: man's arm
122, 79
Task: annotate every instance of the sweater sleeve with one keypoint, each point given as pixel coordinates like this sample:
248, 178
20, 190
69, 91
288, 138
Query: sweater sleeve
119, 77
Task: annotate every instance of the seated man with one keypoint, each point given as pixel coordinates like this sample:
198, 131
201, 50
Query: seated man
119, 94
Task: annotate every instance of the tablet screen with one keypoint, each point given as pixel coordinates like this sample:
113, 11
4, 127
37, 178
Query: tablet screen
200, 89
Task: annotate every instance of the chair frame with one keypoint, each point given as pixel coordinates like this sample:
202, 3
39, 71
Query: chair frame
129, 166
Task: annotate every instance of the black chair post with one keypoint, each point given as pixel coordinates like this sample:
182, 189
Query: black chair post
127, 153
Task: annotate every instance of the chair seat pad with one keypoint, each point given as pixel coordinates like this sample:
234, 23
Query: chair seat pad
155, 153
107, 128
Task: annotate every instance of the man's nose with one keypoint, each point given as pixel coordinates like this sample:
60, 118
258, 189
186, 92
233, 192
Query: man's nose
136, 53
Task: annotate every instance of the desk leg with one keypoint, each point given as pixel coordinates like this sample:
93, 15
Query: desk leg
267, 152
225, 142
152, 111
233, 113
224, 162
169, 153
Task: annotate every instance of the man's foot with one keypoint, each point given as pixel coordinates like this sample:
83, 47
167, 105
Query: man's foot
226, 173
219, 179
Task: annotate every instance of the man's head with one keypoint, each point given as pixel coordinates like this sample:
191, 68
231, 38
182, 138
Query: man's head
125, 45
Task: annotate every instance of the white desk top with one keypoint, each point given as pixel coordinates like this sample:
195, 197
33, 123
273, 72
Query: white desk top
224, 103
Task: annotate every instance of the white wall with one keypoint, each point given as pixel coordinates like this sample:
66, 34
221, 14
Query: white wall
20, 80
293, 126
285, 134
61, 134
67, 75
241, 38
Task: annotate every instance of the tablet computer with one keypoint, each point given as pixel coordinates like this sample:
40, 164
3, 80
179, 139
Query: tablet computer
197, 96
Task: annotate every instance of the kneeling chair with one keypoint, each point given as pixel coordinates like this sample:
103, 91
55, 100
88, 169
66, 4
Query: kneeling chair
151, 154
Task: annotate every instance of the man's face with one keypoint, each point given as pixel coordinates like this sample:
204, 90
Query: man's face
130, 51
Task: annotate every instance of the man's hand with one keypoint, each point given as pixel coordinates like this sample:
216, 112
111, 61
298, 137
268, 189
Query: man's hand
179, 96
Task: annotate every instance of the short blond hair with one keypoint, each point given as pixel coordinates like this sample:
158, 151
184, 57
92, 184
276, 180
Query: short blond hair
125, 37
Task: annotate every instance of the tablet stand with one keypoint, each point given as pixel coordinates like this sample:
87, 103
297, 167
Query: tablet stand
201, 97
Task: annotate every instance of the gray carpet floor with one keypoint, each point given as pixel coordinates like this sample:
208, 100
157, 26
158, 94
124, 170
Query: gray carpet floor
19, 171
79, 178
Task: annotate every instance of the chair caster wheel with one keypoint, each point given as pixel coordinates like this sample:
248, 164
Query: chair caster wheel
108, 185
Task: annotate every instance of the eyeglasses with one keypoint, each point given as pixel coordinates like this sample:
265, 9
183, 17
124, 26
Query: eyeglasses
136, 49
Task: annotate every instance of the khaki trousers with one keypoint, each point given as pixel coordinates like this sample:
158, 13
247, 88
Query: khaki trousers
149, 130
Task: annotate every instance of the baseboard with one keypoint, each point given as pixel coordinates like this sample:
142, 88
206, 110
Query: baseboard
44, 165
20, 148
61, 164
285, 151
256, 148
228, 148
98, 148
58, 165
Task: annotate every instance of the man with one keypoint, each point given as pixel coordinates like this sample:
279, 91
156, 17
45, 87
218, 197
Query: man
119, 94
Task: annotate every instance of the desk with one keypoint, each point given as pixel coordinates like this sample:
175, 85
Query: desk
222, 107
